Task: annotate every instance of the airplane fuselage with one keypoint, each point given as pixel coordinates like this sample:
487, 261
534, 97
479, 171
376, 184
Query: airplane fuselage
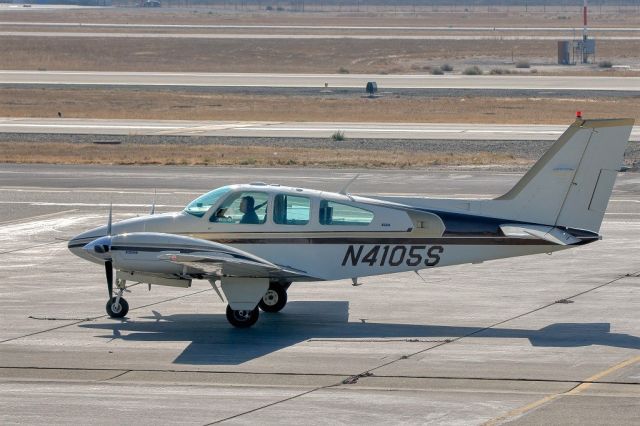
395, 239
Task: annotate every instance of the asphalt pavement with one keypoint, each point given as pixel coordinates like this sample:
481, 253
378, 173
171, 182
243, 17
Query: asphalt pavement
270, 36
437, 131
533, 340
407, 81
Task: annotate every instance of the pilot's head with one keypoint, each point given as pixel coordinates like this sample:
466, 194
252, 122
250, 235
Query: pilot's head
247, 204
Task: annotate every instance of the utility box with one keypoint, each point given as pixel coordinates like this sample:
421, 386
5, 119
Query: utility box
372, 88
564, 53
589, 46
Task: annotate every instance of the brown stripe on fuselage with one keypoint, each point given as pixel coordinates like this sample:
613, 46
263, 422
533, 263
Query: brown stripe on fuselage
254, 239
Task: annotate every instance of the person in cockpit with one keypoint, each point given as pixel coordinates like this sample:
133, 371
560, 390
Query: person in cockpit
247, 207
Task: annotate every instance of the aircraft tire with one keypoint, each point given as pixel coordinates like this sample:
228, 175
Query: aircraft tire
117, 311
274, 299
242, 319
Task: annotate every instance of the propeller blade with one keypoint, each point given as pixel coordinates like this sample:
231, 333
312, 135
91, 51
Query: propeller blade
108, 268
110, 216
153, 206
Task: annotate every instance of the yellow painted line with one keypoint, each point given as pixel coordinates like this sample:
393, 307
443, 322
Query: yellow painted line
600, 375
521, 410
576, 390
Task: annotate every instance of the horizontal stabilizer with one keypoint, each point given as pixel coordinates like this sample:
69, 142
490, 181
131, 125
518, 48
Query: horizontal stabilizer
547, 233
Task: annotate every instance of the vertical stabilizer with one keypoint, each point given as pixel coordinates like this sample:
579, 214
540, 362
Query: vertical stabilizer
571, 184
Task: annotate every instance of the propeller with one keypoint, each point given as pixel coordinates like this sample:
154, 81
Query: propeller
108, 268
110, 216
108, 265
100, 249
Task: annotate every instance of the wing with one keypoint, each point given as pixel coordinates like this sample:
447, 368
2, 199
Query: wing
218, 264
198, 257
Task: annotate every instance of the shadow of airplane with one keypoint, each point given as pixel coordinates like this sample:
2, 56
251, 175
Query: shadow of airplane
213, 341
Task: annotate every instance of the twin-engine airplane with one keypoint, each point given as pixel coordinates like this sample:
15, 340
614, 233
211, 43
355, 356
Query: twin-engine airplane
256, 239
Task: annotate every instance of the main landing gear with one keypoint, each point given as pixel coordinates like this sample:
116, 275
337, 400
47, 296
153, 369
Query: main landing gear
275, 298
273, 301
243, 318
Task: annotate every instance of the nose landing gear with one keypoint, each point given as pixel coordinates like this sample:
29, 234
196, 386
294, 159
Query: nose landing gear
117, 306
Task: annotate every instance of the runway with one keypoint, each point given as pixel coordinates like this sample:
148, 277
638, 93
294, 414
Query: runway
441, 131
530, 340
309, 27
250, 36
385, 82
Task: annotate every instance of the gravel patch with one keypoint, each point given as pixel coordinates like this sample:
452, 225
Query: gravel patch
529, 149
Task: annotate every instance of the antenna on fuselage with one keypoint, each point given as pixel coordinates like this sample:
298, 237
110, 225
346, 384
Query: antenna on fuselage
153, 206
343, 191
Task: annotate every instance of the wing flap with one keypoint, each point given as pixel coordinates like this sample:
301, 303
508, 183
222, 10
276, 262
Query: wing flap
221, 264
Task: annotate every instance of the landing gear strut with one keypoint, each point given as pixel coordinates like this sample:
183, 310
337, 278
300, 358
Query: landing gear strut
275, 298
242, 318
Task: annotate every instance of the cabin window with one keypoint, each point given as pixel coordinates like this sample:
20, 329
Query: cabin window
246, 208
332, 213
203, 203
291, 210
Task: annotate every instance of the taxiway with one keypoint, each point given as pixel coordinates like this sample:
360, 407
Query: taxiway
269, 36
305, 27
438, 131
407, 81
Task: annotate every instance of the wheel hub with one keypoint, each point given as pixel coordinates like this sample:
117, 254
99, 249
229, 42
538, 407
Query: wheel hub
116, 308
270, 298
242, 315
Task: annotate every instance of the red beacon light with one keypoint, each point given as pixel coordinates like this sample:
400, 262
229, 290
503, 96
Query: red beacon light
578, 114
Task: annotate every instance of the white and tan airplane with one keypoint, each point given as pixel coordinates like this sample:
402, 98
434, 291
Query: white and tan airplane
256, 239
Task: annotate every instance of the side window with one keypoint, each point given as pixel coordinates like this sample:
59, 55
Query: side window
341, 214
291, 210
248, 208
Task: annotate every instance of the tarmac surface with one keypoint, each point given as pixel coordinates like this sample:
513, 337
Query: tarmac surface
443, 131
407, 81
535, 340
269, 36
307, 27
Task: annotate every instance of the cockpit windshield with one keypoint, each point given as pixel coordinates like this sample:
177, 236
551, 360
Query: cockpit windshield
203, 203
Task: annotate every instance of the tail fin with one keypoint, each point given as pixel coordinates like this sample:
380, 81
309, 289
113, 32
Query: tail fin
571, 184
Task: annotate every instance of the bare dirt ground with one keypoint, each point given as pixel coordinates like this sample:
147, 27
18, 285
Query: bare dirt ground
297, 56
494, 16
285, 56
349, 106
309, 56
222, 155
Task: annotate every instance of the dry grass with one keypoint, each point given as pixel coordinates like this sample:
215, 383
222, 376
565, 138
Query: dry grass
368, 16
222, 155
193, 105
294, 55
